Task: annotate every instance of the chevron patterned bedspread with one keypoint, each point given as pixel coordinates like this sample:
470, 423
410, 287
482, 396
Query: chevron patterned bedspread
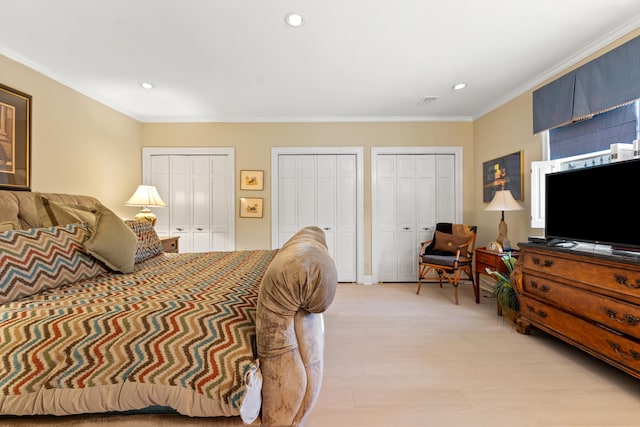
177, 333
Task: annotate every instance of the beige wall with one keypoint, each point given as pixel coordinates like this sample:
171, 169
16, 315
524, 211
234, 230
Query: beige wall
253, 143
77, 144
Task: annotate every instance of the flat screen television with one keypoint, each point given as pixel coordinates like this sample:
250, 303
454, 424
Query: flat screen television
595, 204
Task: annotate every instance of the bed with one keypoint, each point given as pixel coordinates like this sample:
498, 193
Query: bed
96, 318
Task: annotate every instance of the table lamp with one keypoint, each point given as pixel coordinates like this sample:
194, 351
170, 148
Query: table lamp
146, 196
503, 201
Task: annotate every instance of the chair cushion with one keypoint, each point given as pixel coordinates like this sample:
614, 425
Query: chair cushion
446, 242
446, 260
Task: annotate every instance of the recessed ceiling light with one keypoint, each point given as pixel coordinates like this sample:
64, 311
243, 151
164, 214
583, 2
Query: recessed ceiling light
147, 85
293, 19
459, 86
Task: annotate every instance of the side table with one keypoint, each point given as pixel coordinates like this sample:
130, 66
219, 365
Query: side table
169, 244
493, 261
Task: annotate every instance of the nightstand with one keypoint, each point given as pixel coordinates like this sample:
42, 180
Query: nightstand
170, 244
493, 261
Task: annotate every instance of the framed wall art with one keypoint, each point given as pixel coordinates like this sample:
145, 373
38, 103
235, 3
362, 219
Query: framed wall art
503, 173
251, 180
251, 207
15, 139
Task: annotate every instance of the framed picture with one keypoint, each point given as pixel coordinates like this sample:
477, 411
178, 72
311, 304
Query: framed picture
251, 180
503, 173
251, 207
15, 139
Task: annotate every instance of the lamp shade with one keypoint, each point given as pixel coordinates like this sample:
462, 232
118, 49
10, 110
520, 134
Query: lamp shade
145, 196
503, 201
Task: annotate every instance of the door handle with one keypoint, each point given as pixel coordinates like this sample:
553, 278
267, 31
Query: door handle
406, 228
326, 228
178, 228
199, 229
426, 228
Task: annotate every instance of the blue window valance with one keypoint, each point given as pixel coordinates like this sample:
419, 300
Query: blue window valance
604, 83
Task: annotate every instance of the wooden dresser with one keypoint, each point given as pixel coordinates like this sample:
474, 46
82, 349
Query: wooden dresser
589, 300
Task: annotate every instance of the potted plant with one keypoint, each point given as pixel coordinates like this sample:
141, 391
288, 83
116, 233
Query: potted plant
505, 294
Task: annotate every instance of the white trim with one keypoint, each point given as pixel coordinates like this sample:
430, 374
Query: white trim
147, 152
376, 151
359, 153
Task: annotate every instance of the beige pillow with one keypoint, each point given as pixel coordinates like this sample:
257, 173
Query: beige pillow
112, 241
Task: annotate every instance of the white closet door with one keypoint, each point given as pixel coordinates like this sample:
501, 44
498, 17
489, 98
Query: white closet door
386, 259
346, 217
406, 211
198, 190
200, 203
445, 188
320, 190
160, 177
180, 201
221, 199
412, 193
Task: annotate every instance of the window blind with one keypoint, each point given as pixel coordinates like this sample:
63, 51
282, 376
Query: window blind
595, 134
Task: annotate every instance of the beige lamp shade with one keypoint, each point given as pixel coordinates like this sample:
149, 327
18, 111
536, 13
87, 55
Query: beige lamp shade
146, 196
503, 201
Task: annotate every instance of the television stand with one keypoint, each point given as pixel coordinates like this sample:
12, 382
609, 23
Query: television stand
589, 300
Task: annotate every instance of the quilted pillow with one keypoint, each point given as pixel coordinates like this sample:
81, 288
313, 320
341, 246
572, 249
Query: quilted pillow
42, 258
447, 242
149, 244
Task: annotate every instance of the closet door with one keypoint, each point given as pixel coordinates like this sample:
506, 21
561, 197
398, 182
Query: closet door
412, 193
197, 189
320, 190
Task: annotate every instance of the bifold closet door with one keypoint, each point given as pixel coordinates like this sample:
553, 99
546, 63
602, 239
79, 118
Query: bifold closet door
413, 193
320, 190
196, 190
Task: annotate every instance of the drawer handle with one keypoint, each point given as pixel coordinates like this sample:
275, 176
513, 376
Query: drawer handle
624, 281
627, 355
543, 288
537, 312
545, 263
627, 318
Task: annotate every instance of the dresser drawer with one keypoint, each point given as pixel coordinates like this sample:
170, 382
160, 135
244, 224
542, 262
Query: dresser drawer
607, 345
623, 317
612, 278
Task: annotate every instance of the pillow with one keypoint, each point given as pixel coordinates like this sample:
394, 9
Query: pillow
149, 244
447, 242
43, 258
112, 241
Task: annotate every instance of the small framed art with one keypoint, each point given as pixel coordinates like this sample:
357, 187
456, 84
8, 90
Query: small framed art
251, 180
251, 207
15, 139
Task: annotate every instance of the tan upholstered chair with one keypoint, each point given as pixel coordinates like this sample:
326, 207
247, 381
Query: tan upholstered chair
448, 256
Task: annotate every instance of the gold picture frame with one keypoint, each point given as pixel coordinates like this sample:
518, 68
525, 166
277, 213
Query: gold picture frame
15, 139
251, 207
252, 180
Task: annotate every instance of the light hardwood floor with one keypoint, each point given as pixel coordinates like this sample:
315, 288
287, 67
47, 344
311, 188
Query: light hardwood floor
397, 359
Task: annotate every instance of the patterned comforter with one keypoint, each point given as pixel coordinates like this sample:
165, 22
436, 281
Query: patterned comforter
177, 333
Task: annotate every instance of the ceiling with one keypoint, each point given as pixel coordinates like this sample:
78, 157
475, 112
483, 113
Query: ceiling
351, 60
